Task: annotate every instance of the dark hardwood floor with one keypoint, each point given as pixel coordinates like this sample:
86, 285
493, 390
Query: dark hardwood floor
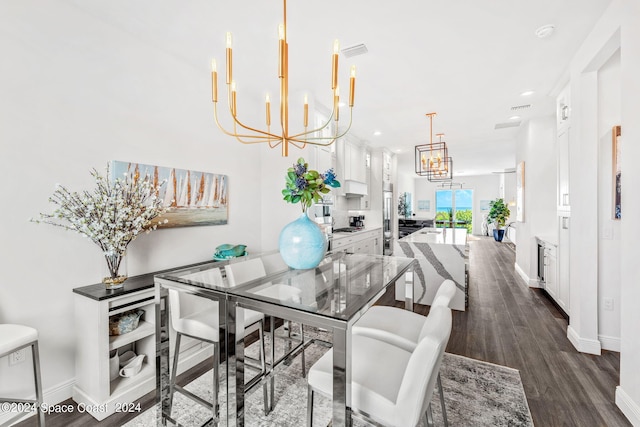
510, 324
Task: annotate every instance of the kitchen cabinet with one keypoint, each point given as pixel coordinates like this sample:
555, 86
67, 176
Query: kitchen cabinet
362, 242
563, 137
554, 279
325, 158
95, 386
386, 167
563, 262
550, 271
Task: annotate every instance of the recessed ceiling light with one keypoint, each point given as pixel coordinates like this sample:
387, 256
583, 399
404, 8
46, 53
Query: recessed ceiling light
545, 31
342, 104
514, 117
528, 93
377, 133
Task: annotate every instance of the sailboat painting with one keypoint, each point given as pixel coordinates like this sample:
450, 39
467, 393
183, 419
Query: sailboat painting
193, 198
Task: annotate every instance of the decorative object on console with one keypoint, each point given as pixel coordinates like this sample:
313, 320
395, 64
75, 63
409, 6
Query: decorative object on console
250, 135
125, 322
228, 251
114, 215
498, 214
194, 197
302, 243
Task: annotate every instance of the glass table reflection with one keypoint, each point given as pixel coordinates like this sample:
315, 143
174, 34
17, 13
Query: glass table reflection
332, 297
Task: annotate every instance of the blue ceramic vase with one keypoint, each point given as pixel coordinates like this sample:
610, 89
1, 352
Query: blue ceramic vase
302, 243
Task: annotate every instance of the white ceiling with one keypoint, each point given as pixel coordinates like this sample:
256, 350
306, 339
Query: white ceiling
467, 60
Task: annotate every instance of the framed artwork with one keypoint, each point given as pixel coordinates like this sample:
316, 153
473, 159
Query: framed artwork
424, 205
520, 192
617, 186
194, 198
485, 205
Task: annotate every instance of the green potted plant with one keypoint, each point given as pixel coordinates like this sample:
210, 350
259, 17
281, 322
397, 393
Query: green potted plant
498, 214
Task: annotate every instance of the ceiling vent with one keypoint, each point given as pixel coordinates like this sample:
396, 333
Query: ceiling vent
355, 50
507, 125
520, 107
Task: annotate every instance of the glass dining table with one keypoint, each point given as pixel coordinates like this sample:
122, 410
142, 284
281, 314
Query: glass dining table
331, 297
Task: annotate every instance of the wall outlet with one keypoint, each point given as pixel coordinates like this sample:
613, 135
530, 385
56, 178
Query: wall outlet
607, 303
17, 357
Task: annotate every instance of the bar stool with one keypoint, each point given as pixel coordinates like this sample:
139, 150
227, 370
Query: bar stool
14, 338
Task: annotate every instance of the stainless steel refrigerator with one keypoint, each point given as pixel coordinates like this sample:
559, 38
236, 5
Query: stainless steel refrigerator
387, 218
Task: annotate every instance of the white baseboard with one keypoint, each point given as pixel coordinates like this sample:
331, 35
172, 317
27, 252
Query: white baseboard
629, 408
609, 343
530, 282
51, 396
583, 345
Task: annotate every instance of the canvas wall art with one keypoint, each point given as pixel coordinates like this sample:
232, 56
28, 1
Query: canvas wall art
617, 172
424, 205
194, 197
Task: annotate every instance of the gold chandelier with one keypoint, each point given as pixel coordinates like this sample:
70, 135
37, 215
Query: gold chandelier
249, 135
432, 160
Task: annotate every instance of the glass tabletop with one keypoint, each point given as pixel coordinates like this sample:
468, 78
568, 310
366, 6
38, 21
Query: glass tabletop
338, 288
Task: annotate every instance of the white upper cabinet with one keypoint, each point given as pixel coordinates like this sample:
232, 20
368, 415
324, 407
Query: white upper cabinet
563, 114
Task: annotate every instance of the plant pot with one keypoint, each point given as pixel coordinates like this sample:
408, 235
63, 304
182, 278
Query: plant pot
302, 243
498, 235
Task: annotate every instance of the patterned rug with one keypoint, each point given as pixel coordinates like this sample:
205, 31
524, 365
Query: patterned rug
476, 394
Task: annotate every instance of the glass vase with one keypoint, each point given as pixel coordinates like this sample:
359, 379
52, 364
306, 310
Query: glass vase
302, 243
115, 269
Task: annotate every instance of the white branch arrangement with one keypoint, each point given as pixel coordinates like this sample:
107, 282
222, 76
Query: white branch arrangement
111, 216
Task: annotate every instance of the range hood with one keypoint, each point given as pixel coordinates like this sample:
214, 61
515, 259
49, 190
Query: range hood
354, 188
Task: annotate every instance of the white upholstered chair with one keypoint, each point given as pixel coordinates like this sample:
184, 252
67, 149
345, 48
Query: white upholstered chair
198, 317
14, 338
395, 387
402, 327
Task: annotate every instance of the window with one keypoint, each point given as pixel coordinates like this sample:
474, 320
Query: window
454, 209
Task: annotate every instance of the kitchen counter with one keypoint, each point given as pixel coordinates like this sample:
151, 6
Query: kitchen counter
444, 236
442, 253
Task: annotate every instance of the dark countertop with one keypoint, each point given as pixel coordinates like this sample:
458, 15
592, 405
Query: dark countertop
98, 291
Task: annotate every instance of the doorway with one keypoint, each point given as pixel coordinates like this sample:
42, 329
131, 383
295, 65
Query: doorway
454, 209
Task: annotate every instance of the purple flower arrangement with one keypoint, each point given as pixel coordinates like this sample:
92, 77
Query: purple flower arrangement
307, 186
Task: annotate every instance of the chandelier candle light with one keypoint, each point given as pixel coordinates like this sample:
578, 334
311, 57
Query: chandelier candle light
250, 135
432, 160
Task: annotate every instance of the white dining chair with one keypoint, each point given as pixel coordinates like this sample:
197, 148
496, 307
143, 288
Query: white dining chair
13, 338
395, 387
198, 317
402, 327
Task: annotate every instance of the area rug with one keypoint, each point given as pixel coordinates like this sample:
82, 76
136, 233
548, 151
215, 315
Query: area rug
476, 394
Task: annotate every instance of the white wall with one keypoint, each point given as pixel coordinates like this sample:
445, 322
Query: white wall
77, 92
618, 28
536, 147
609, 240
485, 187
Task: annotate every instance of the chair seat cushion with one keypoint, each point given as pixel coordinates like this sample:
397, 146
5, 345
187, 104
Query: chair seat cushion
393, 325
15, 336
204, 324
371, 393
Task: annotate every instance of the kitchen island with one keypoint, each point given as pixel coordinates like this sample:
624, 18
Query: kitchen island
442, 253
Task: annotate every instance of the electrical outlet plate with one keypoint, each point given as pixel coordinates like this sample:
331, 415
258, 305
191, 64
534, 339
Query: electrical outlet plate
17, 357
608, 303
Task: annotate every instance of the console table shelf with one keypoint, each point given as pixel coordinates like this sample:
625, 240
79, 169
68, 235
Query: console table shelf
94, 305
